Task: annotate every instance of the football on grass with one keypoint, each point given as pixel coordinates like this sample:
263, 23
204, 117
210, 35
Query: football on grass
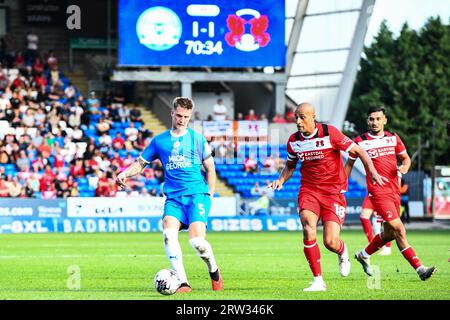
166, 282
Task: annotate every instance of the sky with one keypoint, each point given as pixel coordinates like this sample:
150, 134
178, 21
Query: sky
396, 12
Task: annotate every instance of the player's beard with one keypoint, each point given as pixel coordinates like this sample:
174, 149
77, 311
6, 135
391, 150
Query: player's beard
375, 132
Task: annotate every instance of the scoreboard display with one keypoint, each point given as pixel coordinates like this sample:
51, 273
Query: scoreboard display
203, 33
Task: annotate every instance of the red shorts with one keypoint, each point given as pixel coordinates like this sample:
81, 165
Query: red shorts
329, 207
387, 206
367, 204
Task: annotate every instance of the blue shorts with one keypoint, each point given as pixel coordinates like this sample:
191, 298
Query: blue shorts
188, 209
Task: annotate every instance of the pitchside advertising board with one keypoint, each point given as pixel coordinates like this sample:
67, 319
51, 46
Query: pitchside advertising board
206, 33
140, 215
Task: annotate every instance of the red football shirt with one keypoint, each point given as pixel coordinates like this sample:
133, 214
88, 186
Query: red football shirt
383, 151
321, 162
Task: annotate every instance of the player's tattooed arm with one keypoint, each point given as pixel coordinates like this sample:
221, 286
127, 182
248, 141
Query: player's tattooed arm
134, 169
285, 175
349, 166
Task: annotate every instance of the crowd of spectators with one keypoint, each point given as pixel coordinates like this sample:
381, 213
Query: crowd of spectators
55, 143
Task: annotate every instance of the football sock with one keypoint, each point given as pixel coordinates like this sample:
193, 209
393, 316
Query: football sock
388, 245
173, 253
312, 253
341, 248
410, 255
214, 275
374, 245
204, 251
367, 227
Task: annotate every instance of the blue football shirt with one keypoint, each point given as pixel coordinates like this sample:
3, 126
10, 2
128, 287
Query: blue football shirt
182, 158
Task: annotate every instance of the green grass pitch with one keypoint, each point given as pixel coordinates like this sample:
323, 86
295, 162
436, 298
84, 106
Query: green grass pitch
261, 266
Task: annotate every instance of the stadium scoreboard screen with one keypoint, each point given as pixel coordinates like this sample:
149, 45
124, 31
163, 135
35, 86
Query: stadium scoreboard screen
205, 33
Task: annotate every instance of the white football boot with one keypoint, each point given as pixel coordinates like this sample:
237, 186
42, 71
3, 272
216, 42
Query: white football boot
344, 263
317, 285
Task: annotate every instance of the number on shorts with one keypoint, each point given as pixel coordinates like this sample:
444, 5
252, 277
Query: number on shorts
201, 209
340, 211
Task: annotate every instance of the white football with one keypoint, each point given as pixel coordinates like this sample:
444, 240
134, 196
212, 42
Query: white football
166, 281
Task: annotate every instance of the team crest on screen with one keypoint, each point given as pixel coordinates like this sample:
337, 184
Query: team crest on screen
258, 37
159, 28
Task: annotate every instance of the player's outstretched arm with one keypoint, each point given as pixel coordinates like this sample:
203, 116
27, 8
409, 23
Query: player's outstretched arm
348, 167
285, 175
367, 162
210, 169
134, 169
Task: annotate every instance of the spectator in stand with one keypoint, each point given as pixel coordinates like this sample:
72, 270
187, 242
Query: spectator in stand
23, 163
259, 206
219, 110
4, 192
131, 132
262, 117
279, 118
74, 119
124, 113
269, 165
28, 118
250, 164
4, 156
118, 142
103, 126
48, 191
255, 191
38, 66
53, 93
14, 188
251, 116
93, 103
77, 169
290, 115
140, 143
32, 47
113, 112
135, 115
44, 149
106, 186
55, 78
239, 116
19, 61
74, 190
70, 92
52, 61
62, 189
33, 182
18, 84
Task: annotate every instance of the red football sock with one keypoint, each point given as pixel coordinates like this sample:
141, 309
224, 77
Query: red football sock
410, 255
341, 247
367, 227
312, 253
374, 245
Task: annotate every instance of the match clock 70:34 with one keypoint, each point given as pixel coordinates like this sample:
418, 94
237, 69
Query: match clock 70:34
208, 47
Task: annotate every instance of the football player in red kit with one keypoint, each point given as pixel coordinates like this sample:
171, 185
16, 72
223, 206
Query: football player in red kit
323, 183
385, 148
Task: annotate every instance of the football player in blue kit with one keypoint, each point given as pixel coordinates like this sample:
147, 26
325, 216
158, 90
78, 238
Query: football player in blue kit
183, 152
